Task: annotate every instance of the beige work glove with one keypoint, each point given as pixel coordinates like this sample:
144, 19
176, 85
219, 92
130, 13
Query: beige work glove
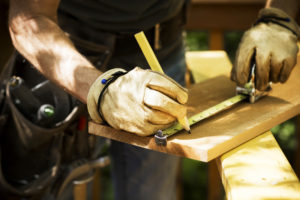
273, 41
141, 101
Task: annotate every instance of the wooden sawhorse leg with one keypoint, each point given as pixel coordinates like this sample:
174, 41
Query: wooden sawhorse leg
297, 152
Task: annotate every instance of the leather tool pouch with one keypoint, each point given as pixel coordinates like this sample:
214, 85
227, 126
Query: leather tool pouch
30, 151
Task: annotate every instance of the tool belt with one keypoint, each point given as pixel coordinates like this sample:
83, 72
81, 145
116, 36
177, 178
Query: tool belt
35, 149
101, 45
39, 154
159, 36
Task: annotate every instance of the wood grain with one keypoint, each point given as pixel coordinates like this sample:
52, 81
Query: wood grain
258, 169
227, 130
203, 65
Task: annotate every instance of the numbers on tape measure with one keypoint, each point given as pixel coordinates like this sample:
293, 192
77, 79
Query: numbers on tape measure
205, 114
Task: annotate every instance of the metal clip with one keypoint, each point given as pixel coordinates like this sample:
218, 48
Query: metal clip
157, 44
160, 138
249, 88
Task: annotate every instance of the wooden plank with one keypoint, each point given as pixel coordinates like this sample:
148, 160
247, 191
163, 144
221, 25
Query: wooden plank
214, 183
216, 39
297, 151
222, 15
207, 64
97, 187
217, 135
79, 191
258, 169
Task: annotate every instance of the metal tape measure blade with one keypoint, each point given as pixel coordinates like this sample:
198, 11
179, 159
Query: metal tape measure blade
205, 114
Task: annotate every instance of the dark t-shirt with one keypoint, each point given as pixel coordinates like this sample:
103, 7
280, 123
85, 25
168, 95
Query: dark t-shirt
119, 15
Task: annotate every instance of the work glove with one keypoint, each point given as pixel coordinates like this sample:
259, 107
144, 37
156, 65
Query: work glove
140, 101
273, 42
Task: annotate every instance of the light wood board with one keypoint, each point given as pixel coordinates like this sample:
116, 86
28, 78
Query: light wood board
225, 131
258, 169
203, 65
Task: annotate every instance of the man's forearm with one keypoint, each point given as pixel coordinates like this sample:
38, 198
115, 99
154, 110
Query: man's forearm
45, 45
291, 7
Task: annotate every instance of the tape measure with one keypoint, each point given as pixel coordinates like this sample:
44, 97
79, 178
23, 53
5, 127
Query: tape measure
162, 135
247, 92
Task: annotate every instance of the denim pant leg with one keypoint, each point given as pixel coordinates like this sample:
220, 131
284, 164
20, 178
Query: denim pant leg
145, 174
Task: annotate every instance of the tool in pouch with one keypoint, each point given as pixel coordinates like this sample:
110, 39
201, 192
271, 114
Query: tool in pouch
247, 92
29, 104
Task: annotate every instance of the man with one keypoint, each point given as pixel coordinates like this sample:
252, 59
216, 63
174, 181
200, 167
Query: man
128, 98
72, 42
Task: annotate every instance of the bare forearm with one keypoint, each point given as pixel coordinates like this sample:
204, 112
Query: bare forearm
47, 47
291, 7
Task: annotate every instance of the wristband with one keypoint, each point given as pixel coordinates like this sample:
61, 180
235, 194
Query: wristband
279, 17
107, 82
100, 84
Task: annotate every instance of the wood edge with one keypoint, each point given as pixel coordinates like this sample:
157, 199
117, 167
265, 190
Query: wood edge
148, 142
194, 153
227, 145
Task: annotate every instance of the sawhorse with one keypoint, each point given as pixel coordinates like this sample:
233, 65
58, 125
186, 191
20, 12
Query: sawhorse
257, 169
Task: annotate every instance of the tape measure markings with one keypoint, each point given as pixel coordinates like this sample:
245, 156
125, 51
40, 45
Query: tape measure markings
205, 114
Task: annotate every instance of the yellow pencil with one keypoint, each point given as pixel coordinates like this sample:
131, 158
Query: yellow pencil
155, 66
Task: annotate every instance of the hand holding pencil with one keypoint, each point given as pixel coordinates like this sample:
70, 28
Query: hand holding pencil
155, 66
138, 101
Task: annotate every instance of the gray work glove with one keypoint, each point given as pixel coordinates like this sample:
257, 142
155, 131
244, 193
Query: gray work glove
141, 101
273, 41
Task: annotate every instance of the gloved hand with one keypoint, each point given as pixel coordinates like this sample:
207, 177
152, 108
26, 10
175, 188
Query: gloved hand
141, 101
273, 41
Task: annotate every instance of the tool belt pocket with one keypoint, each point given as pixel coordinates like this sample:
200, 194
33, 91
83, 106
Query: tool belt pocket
38, 108
35, 115
36, 122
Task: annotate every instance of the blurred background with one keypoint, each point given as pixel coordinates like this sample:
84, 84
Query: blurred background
211, 25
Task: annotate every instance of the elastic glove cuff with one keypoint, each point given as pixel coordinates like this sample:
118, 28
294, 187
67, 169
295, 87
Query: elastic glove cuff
279, 17
95, 91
